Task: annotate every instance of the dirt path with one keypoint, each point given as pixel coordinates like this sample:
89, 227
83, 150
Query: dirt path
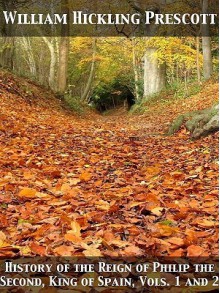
103, 186
134, 125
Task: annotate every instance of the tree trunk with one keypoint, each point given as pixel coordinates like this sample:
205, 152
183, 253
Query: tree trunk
197, 59
63, 53
207, 57
154, 73
206, 45
26, 44
135, 68
7, 53
199, 123
85, 95
53, 62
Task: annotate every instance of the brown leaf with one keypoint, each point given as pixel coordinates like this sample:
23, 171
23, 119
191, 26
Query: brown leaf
165, 230
195, 251
92, 252
178, 242
9, 251
64, 250
132, 251
3, 221
37, 249
177, 253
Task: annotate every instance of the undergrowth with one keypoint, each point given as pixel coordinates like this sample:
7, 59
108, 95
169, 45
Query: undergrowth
175, 91
75, 104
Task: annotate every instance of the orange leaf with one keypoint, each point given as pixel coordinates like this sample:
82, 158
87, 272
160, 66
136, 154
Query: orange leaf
167, 230
76, 229
135, 204
108, 236
207, 223
64, 250
85, 176
151, 171
176, 241
3, 221
27, 193
2, 239
132, 251
38, 249
98, 183
177, 253
195, 251
92, 251
72, 238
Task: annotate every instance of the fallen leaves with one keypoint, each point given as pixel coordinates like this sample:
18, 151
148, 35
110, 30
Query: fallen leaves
85, 176
195, 251
2, 239
176, 242
9, 252
76, 229
3, 221
166, 231
157, 211
205, 223
37, 249
95, 187
27, 193
64, 250
72, 238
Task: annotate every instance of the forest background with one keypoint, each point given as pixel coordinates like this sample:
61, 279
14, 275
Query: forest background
83, 176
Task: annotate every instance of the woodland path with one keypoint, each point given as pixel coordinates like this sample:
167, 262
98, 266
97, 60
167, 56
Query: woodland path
120, 118
102, 185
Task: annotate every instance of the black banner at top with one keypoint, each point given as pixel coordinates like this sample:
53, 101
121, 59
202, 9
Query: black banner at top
108, 18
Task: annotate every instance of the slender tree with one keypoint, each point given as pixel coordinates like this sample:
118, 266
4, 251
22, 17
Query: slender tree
86, 93
63, 52
52, 46
206, 44
135, 68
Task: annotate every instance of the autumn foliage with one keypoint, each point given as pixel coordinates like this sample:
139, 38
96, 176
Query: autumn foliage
103, 185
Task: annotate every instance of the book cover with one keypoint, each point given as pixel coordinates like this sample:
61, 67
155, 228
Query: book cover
109, 124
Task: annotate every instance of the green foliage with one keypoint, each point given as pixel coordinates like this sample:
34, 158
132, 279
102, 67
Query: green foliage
75, 104
175, 90
26, 89
108, 96
167, 223
174, 50
22, 221
180, 91
113, 61
141, 105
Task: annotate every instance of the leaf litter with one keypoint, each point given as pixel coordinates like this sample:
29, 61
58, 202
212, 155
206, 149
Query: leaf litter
102, 186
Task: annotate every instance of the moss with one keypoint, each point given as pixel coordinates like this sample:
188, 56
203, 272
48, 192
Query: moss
194, 121
176, 125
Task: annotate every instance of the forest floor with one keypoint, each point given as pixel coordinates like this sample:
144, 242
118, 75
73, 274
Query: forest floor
104, 185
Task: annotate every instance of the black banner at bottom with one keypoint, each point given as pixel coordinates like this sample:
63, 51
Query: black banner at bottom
50, 274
